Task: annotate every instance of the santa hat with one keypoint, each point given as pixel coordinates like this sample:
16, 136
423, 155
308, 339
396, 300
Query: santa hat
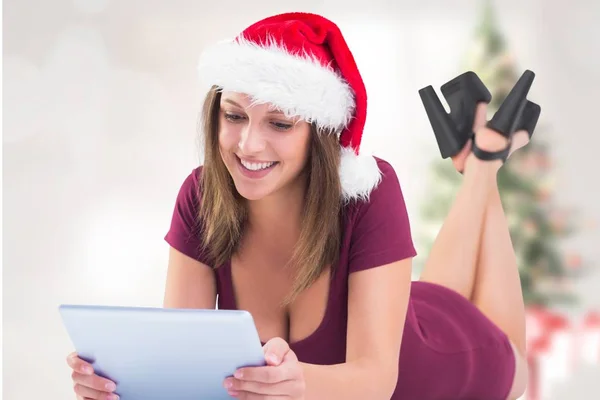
301, 63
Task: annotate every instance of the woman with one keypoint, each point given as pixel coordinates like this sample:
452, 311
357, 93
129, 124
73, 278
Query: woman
286, 219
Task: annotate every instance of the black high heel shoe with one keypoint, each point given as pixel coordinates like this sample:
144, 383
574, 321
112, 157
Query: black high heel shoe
462, 93
529, 118
508, 117
454, 130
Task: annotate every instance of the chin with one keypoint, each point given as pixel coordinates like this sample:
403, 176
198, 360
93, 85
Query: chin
252, 194
253, 190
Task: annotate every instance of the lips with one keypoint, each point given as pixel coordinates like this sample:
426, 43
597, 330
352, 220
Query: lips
255, 169
256, 166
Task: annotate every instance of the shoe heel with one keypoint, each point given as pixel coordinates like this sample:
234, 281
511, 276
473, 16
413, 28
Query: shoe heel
462, 94
447, 137
529, 118
508, 115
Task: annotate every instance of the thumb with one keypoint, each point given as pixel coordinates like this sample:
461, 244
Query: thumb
275, 350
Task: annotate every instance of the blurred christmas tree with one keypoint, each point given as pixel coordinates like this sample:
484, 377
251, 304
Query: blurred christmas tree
536, 224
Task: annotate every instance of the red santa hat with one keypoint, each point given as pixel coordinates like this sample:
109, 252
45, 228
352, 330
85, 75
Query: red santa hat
301, 64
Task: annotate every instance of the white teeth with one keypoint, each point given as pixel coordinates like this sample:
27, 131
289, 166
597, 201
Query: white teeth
256, 166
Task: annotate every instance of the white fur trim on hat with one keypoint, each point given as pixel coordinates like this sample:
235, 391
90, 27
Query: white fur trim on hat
297, 84
359, 175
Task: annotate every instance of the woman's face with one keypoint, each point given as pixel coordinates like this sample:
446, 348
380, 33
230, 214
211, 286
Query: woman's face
263, 150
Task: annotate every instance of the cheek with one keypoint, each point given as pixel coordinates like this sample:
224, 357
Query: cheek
228, 139
294, 150
304, 144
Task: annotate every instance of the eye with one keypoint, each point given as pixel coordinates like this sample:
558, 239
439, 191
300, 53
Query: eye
281, 126
232, 117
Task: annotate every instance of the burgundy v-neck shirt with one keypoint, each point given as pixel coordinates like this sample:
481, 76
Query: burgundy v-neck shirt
449, 351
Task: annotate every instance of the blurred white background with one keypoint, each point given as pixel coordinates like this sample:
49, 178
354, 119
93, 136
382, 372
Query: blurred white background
99, 131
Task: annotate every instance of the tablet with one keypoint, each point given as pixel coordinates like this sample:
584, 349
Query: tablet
159, 353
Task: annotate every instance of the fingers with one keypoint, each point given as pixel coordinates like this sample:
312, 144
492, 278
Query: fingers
89, 386
268, 374
77, 364
275, 350
281, 378
288, 369
86, 393
89, 393
285, 388
255, 396
285, 379
94, 382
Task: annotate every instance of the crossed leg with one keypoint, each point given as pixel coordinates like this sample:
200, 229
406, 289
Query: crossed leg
473, 253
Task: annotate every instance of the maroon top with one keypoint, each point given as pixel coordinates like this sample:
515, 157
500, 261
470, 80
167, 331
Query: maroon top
450, 350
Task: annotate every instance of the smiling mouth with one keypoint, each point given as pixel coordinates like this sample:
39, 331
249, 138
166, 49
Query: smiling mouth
257, 166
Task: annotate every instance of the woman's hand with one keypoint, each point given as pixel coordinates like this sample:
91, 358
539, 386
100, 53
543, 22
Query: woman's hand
282, 377
87, 385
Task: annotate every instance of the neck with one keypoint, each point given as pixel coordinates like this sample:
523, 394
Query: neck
278, 218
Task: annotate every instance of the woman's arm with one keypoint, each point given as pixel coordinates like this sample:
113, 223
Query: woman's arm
377, 304
190, 283
380, 266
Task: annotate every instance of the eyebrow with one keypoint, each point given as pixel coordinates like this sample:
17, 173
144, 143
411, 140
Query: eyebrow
239, 106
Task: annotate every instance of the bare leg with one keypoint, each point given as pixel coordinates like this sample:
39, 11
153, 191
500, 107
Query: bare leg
497, 291
489, 277
453, 258
473, 253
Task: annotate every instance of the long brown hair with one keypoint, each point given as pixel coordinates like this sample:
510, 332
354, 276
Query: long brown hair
223, 211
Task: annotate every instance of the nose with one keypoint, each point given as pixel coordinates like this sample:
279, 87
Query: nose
251, 141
